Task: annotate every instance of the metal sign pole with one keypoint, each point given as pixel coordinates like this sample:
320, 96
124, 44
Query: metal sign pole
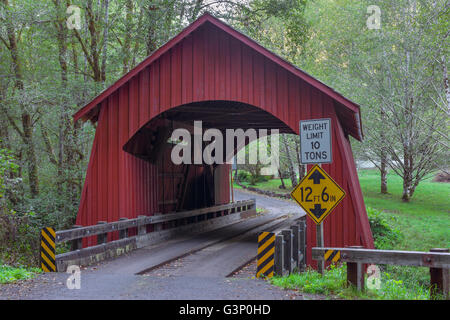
320, 243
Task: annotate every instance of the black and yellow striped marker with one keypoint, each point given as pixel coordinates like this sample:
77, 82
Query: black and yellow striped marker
48, 261
266, 250
332, 256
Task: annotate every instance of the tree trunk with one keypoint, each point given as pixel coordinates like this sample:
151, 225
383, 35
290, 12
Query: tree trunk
446, 85
33, 179
407, 177
383, 173
127, 37
301, 167
105, 40
292, 174
283, 186
383, 157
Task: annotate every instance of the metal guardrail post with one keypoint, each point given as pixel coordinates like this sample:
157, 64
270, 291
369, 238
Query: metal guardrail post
142, 228
279, 257
103, 237
124, 232
439, 279
302, 240
287, 235
76, 244
158, 226
296, 247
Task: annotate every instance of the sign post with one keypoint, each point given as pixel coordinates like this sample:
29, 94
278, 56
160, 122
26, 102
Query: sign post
317, 193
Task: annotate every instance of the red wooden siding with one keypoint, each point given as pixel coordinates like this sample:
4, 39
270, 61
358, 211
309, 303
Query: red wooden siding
207, 64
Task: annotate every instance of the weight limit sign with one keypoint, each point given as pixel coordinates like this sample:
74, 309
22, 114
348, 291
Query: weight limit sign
315, 141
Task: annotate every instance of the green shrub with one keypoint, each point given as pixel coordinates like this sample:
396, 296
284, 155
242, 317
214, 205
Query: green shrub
266, 178
10, 274
384, 232
243, 176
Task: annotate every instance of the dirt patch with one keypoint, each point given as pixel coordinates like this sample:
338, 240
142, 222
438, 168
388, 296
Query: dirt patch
265, 192
249, 272
442, 177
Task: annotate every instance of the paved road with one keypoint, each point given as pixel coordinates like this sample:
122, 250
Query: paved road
201, 275
274, 205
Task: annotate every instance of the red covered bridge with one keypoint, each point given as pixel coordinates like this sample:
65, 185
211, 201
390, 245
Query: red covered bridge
213, 73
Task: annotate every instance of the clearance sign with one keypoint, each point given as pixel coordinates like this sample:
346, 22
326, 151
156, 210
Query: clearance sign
318, 194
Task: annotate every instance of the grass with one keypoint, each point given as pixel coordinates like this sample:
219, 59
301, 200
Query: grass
424, 221
423, 224
12, 274
271, 185
333, 284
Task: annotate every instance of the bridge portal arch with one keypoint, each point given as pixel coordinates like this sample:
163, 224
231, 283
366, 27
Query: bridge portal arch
211, 71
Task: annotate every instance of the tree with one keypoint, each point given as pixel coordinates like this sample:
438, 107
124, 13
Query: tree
393, 73
25, 128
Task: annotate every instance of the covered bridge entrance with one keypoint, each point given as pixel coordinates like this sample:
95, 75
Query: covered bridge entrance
213, 73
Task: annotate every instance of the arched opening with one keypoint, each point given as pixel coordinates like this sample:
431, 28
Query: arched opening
196, 185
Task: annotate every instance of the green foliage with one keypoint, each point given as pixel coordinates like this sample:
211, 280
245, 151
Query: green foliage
333, 283
243, 176
7, 166
19, 231
384, 232
10, 274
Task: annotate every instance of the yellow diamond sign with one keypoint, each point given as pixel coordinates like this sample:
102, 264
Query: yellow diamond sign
318, 194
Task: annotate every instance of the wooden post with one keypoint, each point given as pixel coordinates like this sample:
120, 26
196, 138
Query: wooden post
439, 279
232, 189
355, 273
287, 236
302, 244
124, 232
103, 237
142, 228
159, 226
296, 246
76, 244
279, 257
319, 243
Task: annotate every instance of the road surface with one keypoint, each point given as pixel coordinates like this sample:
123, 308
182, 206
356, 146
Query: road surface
198, 267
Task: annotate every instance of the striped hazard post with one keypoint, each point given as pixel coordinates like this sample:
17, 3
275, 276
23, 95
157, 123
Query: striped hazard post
48, 261
266, 250
332, 256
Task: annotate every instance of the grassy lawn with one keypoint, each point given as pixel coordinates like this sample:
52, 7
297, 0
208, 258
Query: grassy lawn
423, 223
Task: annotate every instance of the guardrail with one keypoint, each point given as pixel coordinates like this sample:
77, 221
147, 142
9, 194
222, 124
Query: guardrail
204, 219
438, 260
290, 249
